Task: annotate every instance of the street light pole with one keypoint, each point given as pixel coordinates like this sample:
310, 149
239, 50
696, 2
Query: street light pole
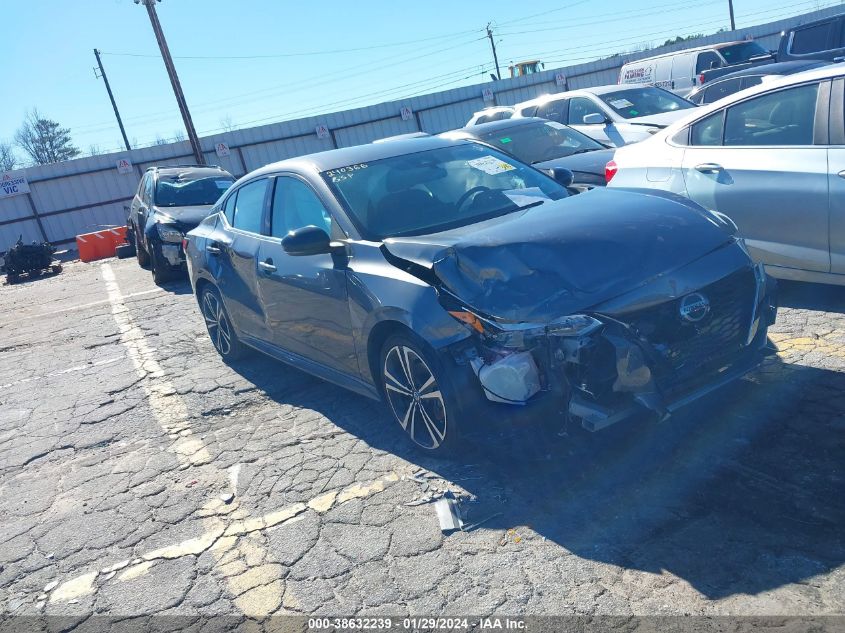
111, 97
731, 9
174, 80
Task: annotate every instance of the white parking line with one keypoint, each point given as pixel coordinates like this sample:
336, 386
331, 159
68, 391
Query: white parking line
168, 409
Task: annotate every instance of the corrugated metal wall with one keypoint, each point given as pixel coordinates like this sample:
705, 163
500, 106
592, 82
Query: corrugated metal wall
84, 195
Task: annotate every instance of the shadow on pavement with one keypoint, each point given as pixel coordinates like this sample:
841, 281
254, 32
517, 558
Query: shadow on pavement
740, 493
807, 296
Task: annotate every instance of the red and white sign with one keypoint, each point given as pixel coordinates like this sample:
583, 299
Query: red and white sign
322, 131
406, 113
221, 149
124, 166
487, 94
13, 184
560, 80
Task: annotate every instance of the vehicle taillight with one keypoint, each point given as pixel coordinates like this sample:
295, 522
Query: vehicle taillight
701, 79
184, 244
610, 170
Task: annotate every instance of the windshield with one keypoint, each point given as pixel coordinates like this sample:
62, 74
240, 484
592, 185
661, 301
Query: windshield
644, 101
741, 53
177, 191
537, 142
436, 190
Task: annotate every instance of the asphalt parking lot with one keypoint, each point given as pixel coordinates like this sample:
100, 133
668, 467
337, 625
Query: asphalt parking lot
141, 475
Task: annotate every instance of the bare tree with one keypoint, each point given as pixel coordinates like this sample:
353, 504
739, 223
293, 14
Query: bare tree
161, 141
94, 150
8, 160
178, 136
45, 141
226, 123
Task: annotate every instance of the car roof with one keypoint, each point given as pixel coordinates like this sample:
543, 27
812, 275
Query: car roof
492, 126
594, 90
335, 158
778, 68
189, 171
695, 49
815, 74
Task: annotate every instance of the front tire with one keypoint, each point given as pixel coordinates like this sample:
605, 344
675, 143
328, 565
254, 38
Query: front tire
418, 393
219, 326
141, 253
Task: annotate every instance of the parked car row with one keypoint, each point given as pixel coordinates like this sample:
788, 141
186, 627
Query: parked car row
460, 278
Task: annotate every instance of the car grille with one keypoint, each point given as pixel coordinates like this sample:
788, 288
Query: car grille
691, 352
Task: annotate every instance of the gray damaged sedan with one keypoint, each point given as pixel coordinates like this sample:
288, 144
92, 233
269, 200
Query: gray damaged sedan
448, 279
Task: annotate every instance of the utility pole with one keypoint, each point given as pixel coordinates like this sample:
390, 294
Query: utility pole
174, 80
111, 97
493, 46
731, 9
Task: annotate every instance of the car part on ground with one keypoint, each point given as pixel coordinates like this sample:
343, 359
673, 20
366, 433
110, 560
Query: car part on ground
546, 145
492, 295
770, 158
30, 260
169, 202
125, 251
613, 115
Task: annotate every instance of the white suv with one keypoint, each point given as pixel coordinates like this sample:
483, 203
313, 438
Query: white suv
614, 115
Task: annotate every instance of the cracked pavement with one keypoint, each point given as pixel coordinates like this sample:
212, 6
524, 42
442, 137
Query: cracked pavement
141, 475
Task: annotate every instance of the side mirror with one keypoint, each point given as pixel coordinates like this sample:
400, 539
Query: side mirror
309, 240
595, 119
562, 175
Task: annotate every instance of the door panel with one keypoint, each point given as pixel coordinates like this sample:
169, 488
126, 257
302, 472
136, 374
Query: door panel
304, 298
759, 166
836, 161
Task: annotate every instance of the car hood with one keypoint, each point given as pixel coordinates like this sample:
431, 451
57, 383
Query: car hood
661, 120
183, 215
562, 257
588, 162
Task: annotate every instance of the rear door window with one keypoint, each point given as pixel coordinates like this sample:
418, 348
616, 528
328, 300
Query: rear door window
249, 206
723, 89
785, 117
553, 110
812, 38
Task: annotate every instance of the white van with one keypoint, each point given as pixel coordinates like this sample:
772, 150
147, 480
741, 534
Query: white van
681, 71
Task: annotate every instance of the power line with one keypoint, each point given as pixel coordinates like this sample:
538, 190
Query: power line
303, 53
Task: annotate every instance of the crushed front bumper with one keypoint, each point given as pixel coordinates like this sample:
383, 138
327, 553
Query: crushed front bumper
639, 360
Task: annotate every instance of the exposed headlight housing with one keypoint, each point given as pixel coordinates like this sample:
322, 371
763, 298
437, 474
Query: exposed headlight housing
169, 233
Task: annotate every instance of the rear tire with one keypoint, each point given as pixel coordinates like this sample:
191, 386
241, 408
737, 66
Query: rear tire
219, 326
419, 393
56, 268
12, 278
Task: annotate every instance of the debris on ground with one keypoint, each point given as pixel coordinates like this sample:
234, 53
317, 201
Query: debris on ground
448, 513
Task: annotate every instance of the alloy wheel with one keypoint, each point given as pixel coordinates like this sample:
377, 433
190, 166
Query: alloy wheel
415, 396
217, 323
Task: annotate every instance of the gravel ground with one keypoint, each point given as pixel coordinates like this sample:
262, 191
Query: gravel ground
141, 475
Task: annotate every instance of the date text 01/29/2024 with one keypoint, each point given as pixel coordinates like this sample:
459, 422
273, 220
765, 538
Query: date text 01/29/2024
415, 624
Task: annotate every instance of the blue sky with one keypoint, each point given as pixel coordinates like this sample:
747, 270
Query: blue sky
258, 61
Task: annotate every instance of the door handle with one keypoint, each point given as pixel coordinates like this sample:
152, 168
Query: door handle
213, 249
267, 266
708, 168
841, 174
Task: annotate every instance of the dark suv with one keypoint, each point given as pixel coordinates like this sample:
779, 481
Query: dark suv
170, 201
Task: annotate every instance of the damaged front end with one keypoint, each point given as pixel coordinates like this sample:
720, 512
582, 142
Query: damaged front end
604, 365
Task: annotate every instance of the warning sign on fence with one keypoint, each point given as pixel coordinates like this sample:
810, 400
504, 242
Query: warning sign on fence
124, 166
222, 150
13, 184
